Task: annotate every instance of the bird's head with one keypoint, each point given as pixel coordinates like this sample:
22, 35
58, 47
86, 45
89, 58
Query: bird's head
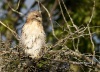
34, 15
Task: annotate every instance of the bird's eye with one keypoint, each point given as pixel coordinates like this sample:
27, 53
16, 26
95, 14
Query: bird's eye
37, 16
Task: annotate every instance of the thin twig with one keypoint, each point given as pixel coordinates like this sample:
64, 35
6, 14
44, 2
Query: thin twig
64, 16
12, 31
50, 20
69, 16
15, 10
89, 24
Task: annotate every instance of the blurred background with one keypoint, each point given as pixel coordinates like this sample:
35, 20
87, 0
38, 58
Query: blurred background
74, 33
80, 12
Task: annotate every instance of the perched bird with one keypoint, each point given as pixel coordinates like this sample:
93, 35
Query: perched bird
33, 36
